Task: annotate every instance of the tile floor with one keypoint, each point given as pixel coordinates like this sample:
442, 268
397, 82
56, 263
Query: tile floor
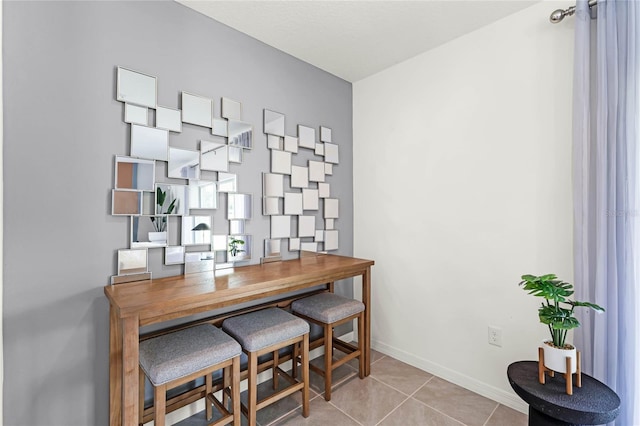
394, 394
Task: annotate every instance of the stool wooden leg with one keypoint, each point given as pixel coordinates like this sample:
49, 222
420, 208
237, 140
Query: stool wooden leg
208, 386
276, 361
578, 371
328, 350
226, 383
305, 375
235, 391
294, 363
253, 388
159, 404
141, 397
361, 345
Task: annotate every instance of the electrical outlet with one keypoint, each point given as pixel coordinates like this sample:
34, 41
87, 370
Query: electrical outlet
495, 336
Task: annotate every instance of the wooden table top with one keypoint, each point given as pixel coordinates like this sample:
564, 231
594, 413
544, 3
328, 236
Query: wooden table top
172, 297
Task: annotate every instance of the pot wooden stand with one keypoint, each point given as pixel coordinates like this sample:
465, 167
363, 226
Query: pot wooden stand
568, 377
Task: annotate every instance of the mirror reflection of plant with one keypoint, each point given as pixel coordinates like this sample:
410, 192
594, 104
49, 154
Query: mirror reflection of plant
233, 246
558, 318
160, 222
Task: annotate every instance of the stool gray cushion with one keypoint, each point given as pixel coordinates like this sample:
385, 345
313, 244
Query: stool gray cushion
327, 307
260, 329
178, 354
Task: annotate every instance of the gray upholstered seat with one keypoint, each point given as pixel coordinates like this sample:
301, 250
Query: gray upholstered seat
178, 354
327, 307
260, 329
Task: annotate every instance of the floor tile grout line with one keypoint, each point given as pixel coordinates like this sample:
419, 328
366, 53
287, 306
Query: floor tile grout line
410, 396
343, 412
491, 415
291, 411
433, 408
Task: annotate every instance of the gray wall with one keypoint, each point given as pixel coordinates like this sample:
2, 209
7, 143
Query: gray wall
62, 127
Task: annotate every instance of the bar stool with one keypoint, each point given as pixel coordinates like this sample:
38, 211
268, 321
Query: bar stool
329, 310
179, 357
265, 331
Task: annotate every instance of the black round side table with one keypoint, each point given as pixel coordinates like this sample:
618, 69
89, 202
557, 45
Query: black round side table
592, 404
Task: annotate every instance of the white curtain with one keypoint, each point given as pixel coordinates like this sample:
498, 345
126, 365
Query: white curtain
606, 196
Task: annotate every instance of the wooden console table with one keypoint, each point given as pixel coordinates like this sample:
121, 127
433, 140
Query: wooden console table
141, 303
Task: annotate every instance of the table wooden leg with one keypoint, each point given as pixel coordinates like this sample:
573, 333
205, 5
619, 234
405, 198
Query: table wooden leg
366, 299
115, 368
130, 359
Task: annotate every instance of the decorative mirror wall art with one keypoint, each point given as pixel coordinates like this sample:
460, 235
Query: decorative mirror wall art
309, 187
170, 203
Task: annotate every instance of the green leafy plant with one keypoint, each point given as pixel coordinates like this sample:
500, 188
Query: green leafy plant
160, 222
233, 246
556, 311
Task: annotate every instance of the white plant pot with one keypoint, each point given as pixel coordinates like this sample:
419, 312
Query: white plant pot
158, 237
556, 359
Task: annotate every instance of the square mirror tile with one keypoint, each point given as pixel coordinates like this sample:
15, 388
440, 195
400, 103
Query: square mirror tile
132, 261
310, 199
197, 110
183, 163
331, 239
280, 226
291, 144
273, 123
136, 88
214, 156
294, 244
219, 127
307, 137
325, 134
271, 205
292, 203
331, 153
136, 114
331, 208
231, 109
196, 230
306, 226
299, 177
149, 142
174, 255
316, 171
169, 119
240, 134
239, 206
280, 162
324, 190
272, 185
203, 195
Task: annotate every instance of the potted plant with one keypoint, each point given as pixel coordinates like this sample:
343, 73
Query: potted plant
160, 222
234, 244
556, 313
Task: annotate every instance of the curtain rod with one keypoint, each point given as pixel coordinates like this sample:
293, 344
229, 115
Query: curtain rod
559, 14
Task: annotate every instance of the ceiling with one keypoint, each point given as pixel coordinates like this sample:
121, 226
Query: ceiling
355, 39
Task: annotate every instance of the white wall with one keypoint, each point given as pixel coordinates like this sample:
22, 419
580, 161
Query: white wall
462, 183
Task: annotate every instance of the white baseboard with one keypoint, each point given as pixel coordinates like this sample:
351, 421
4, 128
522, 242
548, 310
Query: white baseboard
508, 399
195, 407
